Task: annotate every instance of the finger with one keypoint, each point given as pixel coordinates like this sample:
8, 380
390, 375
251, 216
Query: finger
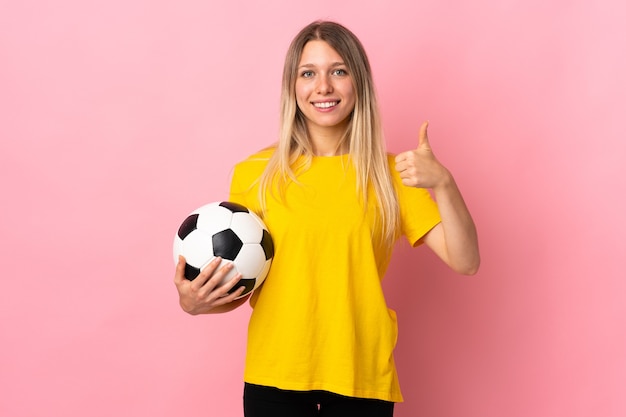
179, 276
235, 296
409, 162
205, 275
423, 136
402, 170
220, 275
226, 293
232, 286
400, 157
405, 158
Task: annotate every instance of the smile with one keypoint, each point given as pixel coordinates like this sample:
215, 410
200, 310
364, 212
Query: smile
326, 104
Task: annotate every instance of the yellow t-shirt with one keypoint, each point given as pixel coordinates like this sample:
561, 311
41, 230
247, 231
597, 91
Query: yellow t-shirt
320, 320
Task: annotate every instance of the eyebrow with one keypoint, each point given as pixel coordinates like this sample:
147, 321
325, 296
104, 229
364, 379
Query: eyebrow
333, 65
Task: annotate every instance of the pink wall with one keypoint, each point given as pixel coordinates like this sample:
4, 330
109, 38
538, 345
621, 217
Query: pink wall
119, 117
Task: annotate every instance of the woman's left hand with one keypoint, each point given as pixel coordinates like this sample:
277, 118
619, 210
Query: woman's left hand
419, 167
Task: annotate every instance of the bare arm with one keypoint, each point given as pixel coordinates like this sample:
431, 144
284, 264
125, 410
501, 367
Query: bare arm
455, 239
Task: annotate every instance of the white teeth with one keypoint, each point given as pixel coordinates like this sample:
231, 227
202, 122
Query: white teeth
325, 105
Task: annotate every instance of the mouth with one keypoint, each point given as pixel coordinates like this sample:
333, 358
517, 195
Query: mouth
325, 104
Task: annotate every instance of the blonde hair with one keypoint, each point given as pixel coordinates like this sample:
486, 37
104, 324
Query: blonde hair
364, 136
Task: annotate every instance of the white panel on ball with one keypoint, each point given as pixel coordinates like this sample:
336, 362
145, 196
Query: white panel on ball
247, 227
250, 260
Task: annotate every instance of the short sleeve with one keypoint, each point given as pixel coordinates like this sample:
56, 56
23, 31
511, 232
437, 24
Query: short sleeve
418, 210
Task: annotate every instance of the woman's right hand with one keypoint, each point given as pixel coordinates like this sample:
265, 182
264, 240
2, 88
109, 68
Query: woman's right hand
202, 295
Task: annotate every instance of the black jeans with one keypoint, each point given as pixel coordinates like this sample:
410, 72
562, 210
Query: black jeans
261, 401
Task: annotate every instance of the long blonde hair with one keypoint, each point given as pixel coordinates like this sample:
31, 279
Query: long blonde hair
364, 134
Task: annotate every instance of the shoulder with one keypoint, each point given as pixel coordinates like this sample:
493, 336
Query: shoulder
257, 160
248, 171
263, 155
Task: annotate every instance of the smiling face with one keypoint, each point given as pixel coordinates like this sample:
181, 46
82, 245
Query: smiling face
324, 91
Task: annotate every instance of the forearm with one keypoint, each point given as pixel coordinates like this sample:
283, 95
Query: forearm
230, 306
460, 238
222, 308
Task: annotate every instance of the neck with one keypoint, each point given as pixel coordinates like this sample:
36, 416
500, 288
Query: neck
328, 142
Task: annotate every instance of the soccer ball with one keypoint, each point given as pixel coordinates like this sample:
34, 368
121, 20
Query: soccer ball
234, 233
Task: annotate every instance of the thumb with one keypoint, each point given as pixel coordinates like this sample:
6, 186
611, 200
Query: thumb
423, 136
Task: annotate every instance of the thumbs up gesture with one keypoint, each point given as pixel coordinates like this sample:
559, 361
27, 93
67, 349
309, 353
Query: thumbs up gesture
419, 167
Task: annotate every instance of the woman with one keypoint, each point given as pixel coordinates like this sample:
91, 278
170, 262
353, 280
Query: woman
321, 338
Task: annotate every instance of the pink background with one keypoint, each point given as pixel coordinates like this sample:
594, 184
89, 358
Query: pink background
117, 118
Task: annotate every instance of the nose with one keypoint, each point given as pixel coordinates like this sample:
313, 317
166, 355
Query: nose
324, 85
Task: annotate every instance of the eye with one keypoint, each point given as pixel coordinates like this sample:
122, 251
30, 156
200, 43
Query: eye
306, 74
340, 72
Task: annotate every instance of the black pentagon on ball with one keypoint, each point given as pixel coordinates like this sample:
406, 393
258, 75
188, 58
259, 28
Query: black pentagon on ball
189, 225
267, 244
248, 283
191, 272
226, 244
234, 207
